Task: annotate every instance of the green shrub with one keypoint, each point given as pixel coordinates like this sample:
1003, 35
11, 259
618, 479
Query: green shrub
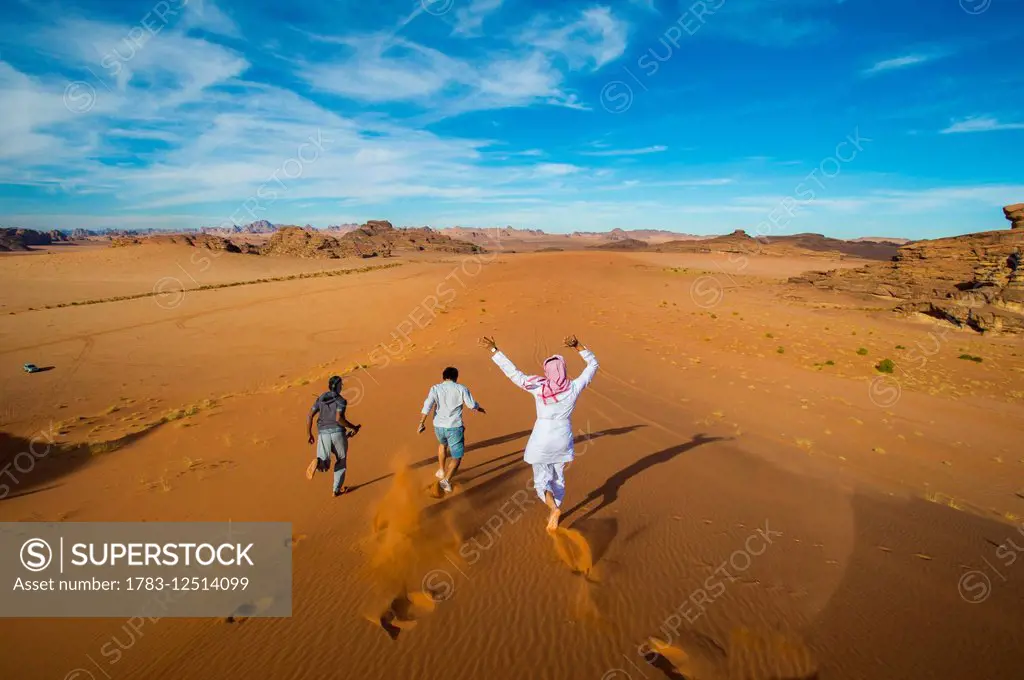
885, 366
862, 351
968, 357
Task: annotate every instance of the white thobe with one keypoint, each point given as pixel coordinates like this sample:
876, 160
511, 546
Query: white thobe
550, 445
552, 438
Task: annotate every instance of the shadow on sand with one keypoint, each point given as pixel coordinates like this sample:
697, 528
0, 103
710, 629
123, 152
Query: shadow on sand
609, 491
31, 465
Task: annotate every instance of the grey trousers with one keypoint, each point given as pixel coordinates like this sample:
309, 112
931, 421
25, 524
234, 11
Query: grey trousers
337, 442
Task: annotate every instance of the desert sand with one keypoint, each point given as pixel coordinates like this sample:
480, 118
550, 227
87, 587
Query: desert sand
749, 490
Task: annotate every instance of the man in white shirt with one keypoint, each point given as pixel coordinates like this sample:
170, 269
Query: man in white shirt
447, 399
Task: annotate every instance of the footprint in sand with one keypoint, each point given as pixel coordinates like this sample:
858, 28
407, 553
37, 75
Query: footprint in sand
753, 654
294, 540
403, 612
250, 609
572, 548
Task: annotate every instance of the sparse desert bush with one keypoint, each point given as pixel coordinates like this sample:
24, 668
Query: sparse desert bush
900, 347
96, 448
862, 351
768, 335
885, 366
830, 363
781, 350
969, 357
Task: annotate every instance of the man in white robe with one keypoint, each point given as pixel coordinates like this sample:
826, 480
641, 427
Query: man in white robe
550, 446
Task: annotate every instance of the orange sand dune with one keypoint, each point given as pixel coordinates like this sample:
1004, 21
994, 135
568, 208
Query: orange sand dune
744, 495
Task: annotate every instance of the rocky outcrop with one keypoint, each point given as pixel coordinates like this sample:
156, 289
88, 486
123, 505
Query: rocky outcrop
1015, 213
22, 239
622, 244
736, 242
974, 281
379, 237
376, 238
821, 244
196, 240
258, 227
299, 242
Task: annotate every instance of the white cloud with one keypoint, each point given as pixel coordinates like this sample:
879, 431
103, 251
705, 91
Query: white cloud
595, 38
169, 60
890, 201
469, 19
898, 63
207, 16
32, 108
389, 69
662, 184
994, 195
555, 169
980, 124
381, 70
627, 152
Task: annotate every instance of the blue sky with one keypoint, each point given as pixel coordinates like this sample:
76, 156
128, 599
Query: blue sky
843, 117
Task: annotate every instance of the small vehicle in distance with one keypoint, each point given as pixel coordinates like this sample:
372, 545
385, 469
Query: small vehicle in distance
31, 368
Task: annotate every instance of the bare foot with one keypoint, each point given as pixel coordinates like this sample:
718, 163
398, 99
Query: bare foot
311, 470
553, 519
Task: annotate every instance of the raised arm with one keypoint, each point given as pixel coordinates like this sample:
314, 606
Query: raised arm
517, 377
588, 373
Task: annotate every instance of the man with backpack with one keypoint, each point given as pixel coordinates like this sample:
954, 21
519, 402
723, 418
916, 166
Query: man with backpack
332, 435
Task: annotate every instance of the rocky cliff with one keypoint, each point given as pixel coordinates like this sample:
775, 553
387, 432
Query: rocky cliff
376, 238
1015, 213
23, 239
974, 281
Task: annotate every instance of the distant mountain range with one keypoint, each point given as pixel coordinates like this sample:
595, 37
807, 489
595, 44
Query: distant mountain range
477, 235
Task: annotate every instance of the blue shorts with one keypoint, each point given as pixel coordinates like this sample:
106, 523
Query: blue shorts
454, 438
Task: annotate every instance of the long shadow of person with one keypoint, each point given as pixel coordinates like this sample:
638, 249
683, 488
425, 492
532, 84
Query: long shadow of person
609, 491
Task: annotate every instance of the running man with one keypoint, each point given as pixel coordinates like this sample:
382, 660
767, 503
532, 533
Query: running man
332, 434
446, 399
550, 447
